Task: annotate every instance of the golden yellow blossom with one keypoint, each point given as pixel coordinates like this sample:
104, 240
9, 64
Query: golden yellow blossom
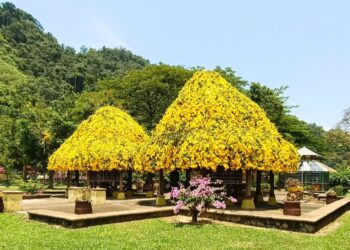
210, 124
107, 140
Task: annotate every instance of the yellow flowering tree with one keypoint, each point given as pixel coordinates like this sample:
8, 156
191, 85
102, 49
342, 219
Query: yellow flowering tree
212, 124
107, 140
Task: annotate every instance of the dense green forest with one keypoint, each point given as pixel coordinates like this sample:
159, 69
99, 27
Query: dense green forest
47, 89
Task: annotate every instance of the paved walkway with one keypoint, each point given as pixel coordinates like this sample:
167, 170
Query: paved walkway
62, 205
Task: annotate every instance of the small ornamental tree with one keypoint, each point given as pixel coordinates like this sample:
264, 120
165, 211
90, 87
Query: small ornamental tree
201, 194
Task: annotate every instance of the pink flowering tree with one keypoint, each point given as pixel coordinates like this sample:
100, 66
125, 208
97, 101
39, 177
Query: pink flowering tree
201, 194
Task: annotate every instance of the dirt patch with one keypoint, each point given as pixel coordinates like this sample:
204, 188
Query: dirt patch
332, 226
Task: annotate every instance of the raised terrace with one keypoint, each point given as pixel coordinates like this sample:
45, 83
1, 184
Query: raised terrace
59, 211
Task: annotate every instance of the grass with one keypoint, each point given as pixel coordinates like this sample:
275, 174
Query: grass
16, 232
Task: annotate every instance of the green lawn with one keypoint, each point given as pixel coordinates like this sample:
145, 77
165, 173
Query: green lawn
14, 187
16, 232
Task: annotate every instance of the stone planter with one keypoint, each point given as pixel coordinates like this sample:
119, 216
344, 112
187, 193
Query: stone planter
75, 193
83, 207
331, 198
98, 196
292, 208
12, 201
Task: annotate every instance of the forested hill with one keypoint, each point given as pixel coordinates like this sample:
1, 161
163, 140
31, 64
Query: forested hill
39, 54
47, 89
40, 82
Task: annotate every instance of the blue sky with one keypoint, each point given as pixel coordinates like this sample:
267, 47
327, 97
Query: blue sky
302, 44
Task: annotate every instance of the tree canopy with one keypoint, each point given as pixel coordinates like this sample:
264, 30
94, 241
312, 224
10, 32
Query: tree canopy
107, 140
210, 124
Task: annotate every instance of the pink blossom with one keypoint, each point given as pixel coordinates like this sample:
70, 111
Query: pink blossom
175, 192
219, 204
232, 199
178, 206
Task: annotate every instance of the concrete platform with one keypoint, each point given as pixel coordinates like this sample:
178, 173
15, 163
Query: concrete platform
60, 211
310, 221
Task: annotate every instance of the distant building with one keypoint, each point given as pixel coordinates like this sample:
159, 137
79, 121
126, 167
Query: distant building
312, 172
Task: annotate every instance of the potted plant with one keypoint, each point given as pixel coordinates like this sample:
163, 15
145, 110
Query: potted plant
291, 205
83, 203
201, 194
292, 185
332, 195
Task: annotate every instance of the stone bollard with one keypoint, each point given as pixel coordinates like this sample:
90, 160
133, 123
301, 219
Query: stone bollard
12, 201
98, 196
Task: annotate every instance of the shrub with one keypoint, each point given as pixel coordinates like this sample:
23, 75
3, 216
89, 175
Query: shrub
199, 196
340, 178
32, 186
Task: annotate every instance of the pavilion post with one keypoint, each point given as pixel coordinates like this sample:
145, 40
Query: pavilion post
120, 194
248, 202
160, 201
272, 197
258, 197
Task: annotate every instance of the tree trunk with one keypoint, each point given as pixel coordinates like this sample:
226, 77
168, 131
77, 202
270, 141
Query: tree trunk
129, 180
248, 190
51, 174
88, 178
194, 215
174, 178
272, 184
76, 173
120, 181
25, 174
258, 186
68, 179
161, 182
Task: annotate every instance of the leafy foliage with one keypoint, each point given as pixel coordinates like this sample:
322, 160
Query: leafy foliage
32, 186
339, 148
